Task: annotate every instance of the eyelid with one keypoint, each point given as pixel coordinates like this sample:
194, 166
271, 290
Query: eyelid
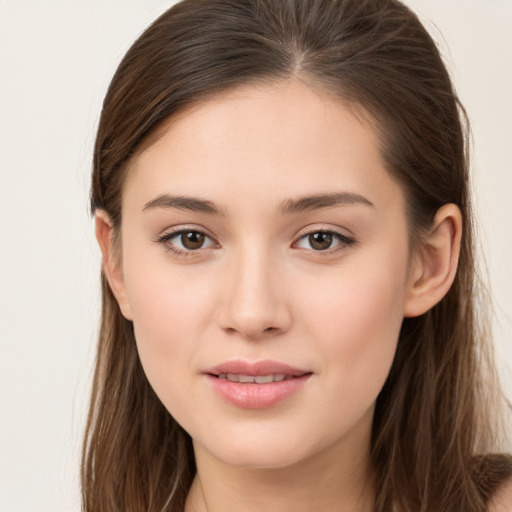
171, 233
345, 240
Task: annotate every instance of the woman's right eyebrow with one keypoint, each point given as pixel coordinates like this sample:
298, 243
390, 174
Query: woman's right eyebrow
184, 203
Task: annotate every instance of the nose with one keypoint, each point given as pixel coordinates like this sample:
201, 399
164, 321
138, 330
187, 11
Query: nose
255, 302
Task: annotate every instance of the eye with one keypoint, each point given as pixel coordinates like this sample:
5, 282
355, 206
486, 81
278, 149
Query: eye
324, 240
186, 241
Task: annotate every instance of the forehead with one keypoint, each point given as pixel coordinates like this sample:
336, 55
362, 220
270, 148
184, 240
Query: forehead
266, 141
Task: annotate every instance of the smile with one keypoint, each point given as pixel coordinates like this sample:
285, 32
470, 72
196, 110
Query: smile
258, 379
257, 385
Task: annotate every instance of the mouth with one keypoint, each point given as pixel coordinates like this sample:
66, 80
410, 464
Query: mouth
256, 385
257, 379
259, 372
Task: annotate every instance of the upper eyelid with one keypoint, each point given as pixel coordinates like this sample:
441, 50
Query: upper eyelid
308, 230
165, 238
177, 230
168, 235
342, 238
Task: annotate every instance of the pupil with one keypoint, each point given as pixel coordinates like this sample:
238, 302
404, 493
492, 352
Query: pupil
320, 241
192, 240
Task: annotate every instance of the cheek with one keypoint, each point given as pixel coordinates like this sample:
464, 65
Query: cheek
356, 323
169, 312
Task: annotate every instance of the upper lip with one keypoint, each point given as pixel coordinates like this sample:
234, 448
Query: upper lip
256, 368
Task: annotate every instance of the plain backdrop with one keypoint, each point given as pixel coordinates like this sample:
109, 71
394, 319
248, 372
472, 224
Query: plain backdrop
56, 60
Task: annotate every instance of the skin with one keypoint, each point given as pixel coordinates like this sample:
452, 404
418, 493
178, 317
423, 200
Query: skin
258, 289
502, 500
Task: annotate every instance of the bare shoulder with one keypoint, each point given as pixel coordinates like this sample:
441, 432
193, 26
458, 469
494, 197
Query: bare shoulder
502, 500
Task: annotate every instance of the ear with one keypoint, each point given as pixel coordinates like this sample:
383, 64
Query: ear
111, 263
435, 262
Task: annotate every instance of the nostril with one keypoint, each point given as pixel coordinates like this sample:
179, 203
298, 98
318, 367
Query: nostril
268, 331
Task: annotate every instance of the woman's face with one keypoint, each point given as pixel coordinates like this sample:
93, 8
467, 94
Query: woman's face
263, 238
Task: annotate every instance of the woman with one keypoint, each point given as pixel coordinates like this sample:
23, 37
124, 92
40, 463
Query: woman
289, 319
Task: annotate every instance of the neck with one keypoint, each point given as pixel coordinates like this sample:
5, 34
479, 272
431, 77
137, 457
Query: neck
338, 478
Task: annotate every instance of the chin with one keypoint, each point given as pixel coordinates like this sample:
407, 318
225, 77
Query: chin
266, 451
269, 458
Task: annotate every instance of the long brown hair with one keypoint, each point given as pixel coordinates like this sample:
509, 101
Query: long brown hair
434, 428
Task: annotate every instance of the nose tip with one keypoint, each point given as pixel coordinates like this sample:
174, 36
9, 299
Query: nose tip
255, 324
255, 304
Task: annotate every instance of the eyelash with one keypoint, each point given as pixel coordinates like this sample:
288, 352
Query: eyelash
343, 242
180, 253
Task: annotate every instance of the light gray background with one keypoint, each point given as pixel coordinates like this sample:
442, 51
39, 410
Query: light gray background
56, 59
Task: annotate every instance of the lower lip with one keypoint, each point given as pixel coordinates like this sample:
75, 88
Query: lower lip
257, 396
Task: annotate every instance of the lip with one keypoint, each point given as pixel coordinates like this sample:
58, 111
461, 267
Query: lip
252, 395
256, 368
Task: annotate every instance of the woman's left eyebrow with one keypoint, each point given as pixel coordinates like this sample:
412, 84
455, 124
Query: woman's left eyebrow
317, 201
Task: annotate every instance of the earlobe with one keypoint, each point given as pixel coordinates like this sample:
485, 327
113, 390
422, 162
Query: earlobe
435, 263
110, 261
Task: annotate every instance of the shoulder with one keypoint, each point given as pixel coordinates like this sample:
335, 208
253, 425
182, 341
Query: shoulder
502, 499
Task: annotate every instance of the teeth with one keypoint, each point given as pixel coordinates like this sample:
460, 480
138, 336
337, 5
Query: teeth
258, 379
263, 379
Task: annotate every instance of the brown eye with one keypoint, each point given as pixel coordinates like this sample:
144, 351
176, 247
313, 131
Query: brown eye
192, 240
186, 242
320, 241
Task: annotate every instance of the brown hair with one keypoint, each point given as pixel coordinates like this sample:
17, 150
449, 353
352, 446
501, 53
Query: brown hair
434, 424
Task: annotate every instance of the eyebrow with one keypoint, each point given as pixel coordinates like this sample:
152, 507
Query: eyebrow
192, 204
288, 207
318, 201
